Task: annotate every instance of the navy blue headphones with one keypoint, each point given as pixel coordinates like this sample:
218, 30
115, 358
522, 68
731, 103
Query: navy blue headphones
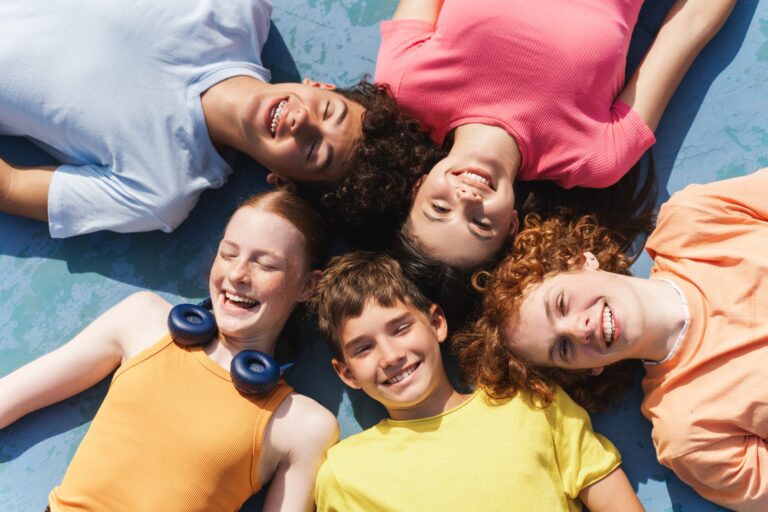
252, 372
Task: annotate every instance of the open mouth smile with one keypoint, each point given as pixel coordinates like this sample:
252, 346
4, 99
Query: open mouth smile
476, 179
609, 326
240, 301
407, 372
275, 113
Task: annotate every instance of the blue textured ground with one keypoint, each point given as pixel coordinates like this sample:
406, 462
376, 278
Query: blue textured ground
715, 128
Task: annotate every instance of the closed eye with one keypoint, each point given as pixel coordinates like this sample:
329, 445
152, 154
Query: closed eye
312, 149
482, 224
325, 112
563, 348
403, 328
440, 209
561, 303
361, 349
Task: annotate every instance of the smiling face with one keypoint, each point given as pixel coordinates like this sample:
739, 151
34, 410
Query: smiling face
393, 355
259, 275
302, 132
463, 211
582, 319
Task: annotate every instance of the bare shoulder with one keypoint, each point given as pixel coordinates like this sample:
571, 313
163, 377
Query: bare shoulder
141, 319
300, 424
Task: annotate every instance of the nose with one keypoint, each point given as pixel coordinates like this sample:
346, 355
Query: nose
390, 354
238, 272
466, 195
584, 327
300, 121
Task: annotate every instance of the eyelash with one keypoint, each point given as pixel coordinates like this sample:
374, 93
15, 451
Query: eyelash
325, 112
485, 226
403, 328
439, 209
561, 303
563, 349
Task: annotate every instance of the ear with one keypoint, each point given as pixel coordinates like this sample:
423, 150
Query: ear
596, 371
310, 283
345, 373
280, 182
438, 322
514, 226
417, 185
590, 261
322, 85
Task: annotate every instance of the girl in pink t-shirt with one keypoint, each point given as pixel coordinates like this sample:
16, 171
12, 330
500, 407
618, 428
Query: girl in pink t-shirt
528, 90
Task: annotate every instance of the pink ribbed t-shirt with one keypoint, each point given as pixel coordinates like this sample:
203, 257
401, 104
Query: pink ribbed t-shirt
546, 72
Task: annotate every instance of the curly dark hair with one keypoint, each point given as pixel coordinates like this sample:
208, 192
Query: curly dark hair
371, 201
543, 248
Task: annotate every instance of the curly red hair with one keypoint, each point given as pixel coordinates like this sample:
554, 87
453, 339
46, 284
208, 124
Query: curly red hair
543, 247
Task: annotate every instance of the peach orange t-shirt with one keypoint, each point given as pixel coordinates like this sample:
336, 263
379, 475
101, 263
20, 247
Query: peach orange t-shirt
708, 401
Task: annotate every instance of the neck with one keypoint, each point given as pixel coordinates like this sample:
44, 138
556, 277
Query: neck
441, 399
668, 319
222, 108
224, 348
490, 144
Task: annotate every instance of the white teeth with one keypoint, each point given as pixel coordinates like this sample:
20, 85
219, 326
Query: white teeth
608, 325
475, 177
400, 376
240, 299
276, 116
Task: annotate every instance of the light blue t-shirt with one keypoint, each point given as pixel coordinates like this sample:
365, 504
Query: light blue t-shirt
112, 89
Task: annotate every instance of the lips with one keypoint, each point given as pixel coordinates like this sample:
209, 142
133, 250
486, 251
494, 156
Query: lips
609, 325
476, 178
402, 375
275, 114
239, 301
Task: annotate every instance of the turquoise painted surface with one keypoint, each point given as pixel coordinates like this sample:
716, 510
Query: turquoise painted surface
716, 127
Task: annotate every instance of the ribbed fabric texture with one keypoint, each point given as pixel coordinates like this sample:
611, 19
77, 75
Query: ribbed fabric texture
548, 72
173, 434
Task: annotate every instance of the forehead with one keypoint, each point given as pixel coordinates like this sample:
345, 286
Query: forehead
252, 227
372, 318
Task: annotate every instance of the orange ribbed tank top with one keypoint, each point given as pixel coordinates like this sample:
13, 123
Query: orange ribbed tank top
173, 434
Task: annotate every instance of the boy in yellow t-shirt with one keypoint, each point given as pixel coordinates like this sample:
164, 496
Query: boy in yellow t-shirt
440, 449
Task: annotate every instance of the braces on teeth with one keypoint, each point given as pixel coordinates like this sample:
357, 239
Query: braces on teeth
276, 116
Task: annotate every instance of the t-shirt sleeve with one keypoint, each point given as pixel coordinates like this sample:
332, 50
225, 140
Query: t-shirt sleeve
729, 472
583, 456
87, 198
700, 214
328, 492
618, 147
399, 38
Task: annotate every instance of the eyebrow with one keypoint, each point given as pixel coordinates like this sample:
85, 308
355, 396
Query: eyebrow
343, 114
387, 326
548, 311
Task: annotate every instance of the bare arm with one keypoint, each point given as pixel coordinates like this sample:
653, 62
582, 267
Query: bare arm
90, 356
424, 10
299, 434
687, 28
24, 190
613, 492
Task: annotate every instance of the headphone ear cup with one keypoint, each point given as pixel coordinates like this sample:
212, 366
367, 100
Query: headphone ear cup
191, 325
254, 372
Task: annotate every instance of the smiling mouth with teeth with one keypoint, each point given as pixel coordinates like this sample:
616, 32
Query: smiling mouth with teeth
240, 301
277, 111
476, 178
402, 375
609, 327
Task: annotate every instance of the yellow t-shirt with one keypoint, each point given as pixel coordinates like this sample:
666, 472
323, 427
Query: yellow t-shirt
173, 434
480, 456
709, 402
